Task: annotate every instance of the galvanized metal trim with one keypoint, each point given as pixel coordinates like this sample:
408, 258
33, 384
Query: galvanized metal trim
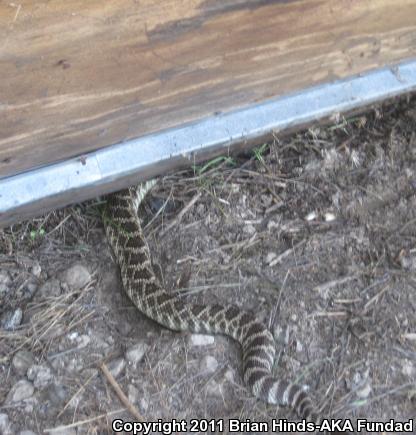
114, 167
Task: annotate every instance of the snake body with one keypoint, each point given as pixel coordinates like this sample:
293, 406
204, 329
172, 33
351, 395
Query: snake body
126, 238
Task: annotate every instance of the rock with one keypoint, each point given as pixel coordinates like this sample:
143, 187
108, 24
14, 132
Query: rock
77, 277
41, 376
208, 364
5, 281
5, 425
201, 340
30, 289
117, 366
136, 353
73, 336
311, 216
26, 432
329, 217
50, 288
21, 390
11, 319
22, 360
270, 257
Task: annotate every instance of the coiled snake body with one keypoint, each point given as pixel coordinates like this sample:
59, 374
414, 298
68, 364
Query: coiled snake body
126, 238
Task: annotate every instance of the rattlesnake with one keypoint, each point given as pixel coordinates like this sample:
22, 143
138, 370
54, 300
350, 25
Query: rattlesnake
130, 248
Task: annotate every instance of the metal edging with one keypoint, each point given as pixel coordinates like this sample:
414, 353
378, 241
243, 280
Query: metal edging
111, 168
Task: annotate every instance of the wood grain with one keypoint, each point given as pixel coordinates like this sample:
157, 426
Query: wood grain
80, 75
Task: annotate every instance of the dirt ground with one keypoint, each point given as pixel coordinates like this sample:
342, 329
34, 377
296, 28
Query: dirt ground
315, 233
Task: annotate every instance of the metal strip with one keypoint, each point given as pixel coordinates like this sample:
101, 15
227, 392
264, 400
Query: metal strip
117, 166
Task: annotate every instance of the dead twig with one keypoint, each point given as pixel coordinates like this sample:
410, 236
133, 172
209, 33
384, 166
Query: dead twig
182, 213
78, 392
84, 422
123, 398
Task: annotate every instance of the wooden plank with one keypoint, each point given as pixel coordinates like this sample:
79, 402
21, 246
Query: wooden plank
80, 75
112, 168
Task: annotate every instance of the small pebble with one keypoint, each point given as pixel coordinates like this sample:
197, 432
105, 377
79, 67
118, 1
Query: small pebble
311, 216
77, 276
410, 335
21, 390
31, 288
11, 319
41, 376
270, 257
201, 340
73, 336
136, 353
22, 360
329, 217
208, 364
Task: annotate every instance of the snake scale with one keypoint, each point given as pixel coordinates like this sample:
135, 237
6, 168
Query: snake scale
126, 238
